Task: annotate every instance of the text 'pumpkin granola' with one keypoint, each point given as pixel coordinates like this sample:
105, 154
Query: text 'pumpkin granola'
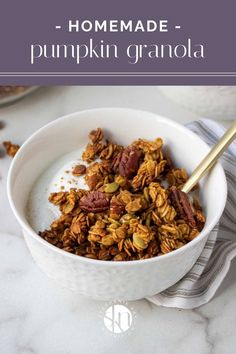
134, 208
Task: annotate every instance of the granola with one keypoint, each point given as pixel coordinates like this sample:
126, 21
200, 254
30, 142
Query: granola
11, 149
11, 90
134, 208
79, 170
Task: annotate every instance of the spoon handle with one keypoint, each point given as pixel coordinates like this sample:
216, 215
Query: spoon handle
210, 158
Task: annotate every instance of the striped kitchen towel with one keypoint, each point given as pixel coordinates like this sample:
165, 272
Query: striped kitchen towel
199, 285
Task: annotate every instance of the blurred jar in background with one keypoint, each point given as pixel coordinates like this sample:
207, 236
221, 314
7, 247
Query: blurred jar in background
216, 102
10, 94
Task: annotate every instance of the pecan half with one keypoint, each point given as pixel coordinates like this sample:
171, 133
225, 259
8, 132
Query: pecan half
79, 170
117, 207
126, 162
182, 204
94, 201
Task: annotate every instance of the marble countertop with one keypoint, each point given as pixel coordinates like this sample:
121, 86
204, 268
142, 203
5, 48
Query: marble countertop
37, 316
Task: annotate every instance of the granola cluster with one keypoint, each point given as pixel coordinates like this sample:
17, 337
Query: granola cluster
11, 90
134, 208
11, 149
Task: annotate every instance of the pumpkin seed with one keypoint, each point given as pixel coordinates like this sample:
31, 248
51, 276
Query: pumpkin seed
111, 187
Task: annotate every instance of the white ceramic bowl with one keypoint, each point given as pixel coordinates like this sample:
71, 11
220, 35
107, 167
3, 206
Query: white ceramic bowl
106, 280
216, 102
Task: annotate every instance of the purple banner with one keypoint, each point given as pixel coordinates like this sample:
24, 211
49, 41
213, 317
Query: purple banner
106, 42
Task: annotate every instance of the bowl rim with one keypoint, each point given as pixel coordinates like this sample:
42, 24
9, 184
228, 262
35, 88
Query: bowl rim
27, 228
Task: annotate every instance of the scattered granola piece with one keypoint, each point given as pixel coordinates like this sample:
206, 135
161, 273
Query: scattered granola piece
79, 170
11, 149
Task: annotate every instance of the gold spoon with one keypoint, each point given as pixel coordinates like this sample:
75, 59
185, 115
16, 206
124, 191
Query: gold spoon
211, 158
